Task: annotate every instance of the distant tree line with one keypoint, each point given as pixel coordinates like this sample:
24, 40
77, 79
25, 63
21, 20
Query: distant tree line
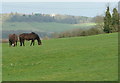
111, 21
78, 32
104, 24
48, 18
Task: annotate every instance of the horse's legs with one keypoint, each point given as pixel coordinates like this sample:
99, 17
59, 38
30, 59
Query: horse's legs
23, 43
31, 43
10, 43
20, 43
16, 43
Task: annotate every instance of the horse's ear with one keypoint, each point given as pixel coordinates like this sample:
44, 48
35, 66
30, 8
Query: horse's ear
33, 32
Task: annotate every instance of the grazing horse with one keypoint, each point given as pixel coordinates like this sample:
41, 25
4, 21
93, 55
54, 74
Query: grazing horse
13, 38
29, 36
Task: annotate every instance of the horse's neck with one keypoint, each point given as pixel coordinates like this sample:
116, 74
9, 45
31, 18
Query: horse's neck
38, 39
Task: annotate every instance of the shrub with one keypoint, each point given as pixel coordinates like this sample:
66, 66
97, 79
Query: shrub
80, 32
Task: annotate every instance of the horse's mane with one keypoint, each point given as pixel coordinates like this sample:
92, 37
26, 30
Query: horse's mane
33, 32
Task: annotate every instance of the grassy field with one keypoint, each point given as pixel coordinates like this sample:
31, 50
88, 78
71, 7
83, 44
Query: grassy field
91, 58
44, 27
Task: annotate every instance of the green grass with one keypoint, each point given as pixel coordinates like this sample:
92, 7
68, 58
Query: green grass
91, 58
45, 27
0, 62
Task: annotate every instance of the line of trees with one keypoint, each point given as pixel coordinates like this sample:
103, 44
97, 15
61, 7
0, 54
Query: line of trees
104, 24
111, 22
48, 18
78, 32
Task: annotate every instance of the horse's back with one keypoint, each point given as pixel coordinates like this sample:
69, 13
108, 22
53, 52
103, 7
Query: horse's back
27, 36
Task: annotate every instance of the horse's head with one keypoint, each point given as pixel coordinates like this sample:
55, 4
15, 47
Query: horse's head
13, 44
40, 43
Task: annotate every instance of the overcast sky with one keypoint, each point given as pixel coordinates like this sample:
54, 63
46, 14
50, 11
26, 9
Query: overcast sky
59, 0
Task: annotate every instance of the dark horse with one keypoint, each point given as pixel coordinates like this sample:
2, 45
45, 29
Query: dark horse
13, 38
29, 36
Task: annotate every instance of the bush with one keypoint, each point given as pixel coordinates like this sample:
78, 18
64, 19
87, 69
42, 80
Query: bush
94, 31
80, 32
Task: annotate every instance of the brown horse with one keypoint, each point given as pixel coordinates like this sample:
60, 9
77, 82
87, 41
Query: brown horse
13, 38
29, 36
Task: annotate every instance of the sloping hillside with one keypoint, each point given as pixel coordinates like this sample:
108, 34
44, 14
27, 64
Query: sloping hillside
43, 29
91, 58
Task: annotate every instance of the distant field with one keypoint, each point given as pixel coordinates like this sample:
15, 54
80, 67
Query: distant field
44, 27
91, 58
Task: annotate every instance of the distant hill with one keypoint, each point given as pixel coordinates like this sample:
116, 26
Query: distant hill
43, 24
68, 19
43, 29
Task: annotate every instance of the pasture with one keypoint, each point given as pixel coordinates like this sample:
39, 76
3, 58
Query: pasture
90, 58
44, 27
